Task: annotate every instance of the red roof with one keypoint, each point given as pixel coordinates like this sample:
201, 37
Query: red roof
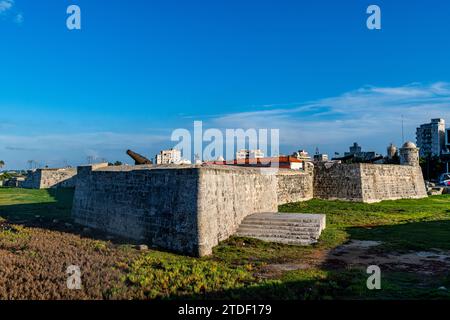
282, 161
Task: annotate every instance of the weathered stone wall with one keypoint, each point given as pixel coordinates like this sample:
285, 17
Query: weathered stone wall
58, 178
187, 209
50, 178
226, 196
294, 186
33, 180
391, 182
334, 181
368, 182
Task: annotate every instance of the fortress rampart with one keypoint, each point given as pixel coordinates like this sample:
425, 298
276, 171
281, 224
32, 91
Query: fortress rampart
50, 178
368, 183
187, 209
190, 209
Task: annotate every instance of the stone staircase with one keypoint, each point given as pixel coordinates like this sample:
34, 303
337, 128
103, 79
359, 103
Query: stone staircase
286, 228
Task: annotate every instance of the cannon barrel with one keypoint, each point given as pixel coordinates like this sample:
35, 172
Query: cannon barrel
375, 159
138, 159
345, 158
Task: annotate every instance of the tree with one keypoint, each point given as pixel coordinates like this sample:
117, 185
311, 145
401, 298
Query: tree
2, 164
432, 167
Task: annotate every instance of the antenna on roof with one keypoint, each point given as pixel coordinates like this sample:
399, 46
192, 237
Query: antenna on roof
403, 131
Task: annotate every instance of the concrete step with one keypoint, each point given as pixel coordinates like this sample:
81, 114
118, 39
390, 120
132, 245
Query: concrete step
281, 223
276, 235
290, 218
294, 229
276, 230
297, 242
300, 228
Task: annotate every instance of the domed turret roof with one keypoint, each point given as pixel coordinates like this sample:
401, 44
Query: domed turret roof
409, 145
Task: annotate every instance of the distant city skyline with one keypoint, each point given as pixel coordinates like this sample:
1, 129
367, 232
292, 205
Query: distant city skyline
137, 71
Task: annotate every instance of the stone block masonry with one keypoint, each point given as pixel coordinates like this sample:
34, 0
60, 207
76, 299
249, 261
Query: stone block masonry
50, 178
368, 182
391, 182
186, 209
294, 186
190, 209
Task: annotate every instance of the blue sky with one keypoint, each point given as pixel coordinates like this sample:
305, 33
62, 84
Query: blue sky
139, 69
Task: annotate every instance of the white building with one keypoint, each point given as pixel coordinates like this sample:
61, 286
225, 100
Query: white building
249, 154
171, 156
392, 151
302, 155
431, 138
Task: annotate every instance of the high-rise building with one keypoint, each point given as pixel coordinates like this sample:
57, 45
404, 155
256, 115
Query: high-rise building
431, 138
356, 150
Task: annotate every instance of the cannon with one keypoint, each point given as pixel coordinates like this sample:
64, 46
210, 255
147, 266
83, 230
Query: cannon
373, 160
345, 158
138, 159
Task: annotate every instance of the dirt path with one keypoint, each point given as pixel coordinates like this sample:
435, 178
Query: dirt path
360, 254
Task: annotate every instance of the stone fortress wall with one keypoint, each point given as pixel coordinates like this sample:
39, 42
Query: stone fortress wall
294, 186
368, 183
190, 209
186, 209
50, 178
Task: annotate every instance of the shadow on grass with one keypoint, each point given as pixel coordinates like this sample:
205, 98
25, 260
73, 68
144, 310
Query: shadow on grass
43, 205
336, 279
424, 235
49, 209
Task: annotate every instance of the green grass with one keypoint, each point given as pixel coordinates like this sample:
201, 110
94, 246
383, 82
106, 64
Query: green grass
234, 269
401, 225
161, 275
24, 204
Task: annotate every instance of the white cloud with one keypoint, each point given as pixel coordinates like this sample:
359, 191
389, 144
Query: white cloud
6, 5
19, 18
369, 115
55, 149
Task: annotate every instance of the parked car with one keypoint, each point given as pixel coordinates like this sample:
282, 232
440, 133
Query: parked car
444, 179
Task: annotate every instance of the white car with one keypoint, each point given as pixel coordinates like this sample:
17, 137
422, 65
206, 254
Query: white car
444, 179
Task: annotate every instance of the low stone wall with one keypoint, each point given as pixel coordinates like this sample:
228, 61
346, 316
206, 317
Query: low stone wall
334, 181
294, 186
188, 209
391, 182
368, 182
50, 178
